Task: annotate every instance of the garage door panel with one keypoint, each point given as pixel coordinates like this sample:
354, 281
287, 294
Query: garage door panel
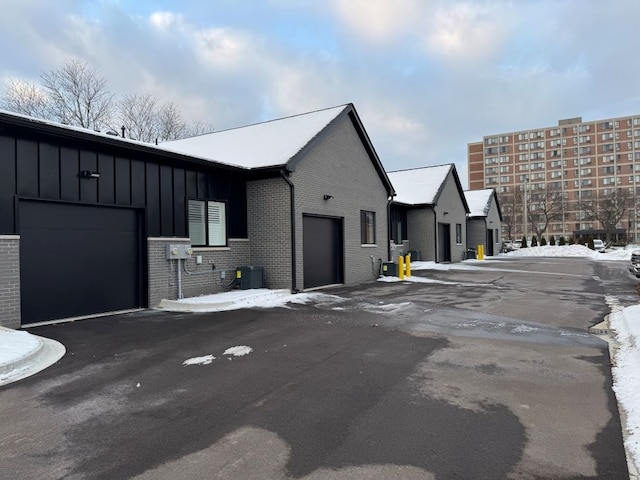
78, 260
322, 251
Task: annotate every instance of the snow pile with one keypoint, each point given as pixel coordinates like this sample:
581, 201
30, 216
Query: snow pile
16, 344
626, 324
237, 299
555, 251
573, 251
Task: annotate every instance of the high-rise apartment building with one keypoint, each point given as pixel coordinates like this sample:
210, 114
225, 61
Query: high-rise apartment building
552, 172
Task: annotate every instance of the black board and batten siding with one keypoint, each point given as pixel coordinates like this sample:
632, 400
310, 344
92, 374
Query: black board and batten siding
46, 170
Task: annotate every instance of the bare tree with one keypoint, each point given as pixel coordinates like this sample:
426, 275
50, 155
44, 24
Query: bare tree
171, 125
511, 205
545, 207
607, 210
78, 95
25, 98
139, 116
199, 128
148, 120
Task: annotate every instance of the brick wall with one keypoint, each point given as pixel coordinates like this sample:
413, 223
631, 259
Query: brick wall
10, 281
269, 227
338, 165
451, 201
198, 279
421, 232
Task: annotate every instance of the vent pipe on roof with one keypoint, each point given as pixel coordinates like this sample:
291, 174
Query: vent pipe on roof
122, 131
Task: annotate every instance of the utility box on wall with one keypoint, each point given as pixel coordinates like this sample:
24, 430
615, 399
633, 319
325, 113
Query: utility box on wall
250, 277
179, 252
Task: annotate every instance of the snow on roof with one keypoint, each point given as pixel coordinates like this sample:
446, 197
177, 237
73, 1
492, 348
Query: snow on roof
418, 185
478, 201
265, 144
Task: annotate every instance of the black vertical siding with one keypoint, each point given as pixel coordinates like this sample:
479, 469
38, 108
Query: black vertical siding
49, 171
106, 182
138, 183
123, 181
192, 183
179, 207
27, 165
69, 168
153, 199
49, 168
7, 184
166, 201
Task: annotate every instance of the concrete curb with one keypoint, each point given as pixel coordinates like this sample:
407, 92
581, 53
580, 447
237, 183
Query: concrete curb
46, 353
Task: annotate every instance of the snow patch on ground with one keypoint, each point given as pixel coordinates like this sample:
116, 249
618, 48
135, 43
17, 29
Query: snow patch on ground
626, 324
238, 351
16, 344
237, 299
204, 360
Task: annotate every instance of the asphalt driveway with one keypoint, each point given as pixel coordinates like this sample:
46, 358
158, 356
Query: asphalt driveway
488, 374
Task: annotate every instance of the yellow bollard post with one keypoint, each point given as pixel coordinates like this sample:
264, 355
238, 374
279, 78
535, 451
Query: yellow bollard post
401, 267
407, 260
480, 252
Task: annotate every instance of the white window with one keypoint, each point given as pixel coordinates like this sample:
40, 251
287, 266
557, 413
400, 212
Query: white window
207, 223
367, 227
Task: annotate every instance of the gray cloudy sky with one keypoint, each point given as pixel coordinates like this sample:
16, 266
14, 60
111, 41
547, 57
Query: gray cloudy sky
426, 76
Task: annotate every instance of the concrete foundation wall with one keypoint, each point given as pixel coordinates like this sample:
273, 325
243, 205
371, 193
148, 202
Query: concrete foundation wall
10, 281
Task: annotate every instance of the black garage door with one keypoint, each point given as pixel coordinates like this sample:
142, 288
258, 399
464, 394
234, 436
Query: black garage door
322, 251
78, 260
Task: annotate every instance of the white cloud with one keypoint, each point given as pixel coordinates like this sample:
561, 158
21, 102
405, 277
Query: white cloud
465, 31
166, 20
376, 20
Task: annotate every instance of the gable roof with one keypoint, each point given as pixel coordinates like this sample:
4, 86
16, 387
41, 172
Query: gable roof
275, 143
265, 144
479, 202
423, 186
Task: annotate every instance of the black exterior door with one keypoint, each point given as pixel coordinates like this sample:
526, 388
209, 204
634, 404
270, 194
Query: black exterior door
490, 242
78, 260
322, 251
444, 243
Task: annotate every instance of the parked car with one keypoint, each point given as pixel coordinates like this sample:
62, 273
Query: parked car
634, 268
598, 245
510, 246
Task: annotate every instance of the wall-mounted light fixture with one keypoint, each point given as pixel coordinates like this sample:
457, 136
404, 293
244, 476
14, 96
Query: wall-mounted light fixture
89, 174
445, 213
327, 197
